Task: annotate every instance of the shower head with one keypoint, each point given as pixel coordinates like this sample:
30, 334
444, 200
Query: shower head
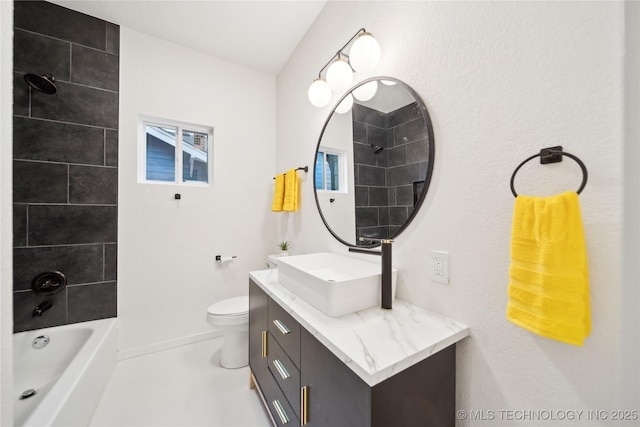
376, 148
44, 83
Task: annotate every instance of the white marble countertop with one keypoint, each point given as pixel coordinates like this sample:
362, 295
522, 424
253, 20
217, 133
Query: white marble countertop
374, 343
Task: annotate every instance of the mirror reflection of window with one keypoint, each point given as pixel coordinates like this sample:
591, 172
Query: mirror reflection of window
327, 171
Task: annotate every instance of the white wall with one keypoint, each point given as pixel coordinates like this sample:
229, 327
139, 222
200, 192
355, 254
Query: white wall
501, 81
167, 276
6, 209
341, 213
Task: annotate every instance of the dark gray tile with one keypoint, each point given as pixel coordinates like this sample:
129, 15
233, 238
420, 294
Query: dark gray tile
376, 136
424, 168
92, 302
418, 151
57, 21
80, 264
19, 225
404, 114
110, 261
371, 175
383, 215
404, 195
396, 156
359, 132
403, 175
370, 116
362, 196
24, 304
410, 131
59, 225
77, 104
393, 229
111, 149
21, 106
59, 142
113, 38
378, 196
37, 54
363, 154
392, 196
39, 182
94, 68
366, 217
398, 215
93, 185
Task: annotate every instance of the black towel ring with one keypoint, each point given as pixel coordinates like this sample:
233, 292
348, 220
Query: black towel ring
552, 155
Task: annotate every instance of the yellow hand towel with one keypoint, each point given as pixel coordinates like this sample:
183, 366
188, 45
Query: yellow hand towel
291, 191
278, 194
549, 279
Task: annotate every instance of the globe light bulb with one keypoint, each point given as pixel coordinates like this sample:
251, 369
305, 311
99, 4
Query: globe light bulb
366, 91
345, 105
365, 53
319, 93
339, 75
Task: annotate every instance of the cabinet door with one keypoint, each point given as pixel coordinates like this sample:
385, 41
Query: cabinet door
258, 347
336, 396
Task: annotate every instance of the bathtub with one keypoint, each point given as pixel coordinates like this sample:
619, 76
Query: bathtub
69, 374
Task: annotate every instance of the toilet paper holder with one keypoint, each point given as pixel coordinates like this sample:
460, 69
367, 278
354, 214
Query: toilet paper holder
220, 258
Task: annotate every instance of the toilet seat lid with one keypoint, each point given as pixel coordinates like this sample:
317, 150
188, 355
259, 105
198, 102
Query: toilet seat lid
235, 306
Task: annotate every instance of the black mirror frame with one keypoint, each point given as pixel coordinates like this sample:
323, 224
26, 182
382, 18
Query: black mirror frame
427, 179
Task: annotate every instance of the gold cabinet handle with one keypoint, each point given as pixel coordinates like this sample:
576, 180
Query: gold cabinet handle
264, 344
281, 327
281, 369
304, 406
280, 411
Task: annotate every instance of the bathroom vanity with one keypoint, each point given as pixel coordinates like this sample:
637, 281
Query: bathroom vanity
375, 368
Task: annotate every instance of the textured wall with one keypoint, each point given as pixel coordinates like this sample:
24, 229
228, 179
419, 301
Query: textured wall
65, 175
167, 274
500, 80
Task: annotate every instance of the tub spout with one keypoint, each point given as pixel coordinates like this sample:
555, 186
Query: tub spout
40, 309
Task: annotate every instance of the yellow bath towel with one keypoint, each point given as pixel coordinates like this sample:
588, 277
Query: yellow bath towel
549, 279
278, 194
291, 191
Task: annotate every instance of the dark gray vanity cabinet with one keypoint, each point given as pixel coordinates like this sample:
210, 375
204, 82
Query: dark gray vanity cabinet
303, 383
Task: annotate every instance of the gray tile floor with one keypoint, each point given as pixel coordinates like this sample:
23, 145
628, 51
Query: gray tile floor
183, 386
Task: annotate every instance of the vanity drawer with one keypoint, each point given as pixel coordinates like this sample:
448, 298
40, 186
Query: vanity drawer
279, 408
286, 375
286, 330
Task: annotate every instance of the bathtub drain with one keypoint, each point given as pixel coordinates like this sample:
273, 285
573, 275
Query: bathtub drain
27, 394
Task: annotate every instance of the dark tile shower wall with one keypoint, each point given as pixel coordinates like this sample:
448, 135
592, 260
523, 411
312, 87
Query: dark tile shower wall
65, 151
387, 182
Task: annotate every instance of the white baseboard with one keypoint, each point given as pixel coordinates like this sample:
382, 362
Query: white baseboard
165, 345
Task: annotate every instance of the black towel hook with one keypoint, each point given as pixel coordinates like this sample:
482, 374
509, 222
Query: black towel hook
552, 155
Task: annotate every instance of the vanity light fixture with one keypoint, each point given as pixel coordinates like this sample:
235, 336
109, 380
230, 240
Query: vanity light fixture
363, 57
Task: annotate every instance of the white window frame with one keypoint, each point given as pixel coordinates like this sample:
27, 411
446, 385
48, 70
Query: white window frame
143, 121
342, 173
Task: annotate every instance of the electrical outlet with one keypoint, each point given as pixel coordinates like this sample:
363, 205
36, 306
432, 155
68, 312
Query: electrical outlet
440, 266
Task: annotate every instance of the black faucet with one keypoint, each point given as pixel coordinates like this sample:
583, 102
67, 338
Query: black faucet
40, 309
387, 269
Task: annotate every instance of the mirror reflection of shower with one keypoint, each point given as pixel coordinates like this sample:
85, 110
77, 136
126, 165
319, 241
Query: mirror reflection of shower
376, 148
44, 83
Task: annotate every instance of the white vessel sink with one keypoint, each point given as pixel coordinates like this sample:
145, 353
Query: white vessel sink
334, 284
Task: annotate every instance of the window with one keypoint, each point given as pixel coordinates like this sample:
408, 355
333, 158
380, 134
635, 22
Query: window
329, 171
174, 152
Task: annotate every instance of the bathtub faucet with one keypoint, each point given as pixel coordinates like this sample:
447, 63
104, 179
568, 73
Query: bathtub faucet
40, 309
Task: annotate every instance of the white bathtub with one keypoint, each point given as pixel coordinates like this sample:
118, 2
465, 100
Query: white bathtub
69, 374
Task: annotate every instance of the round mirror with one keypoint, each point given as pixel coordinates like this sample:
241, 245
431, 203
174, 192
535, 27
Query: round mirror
374, 162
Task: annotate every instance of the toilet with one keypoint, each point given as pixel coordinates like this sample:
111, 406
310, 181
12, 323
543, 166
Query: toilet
231, 317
